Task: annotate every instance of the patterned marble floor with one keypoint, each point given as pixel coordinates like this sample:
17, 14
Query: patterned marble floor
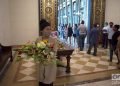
101, 83
81, 63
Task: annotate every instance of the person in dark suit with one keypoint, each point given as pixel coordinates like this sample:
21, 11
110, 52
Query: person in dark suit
114, 42
93, 40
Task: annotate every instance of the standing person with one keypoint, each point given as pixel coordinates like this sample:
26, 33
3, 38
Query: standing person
62, 31
114, 42
70, 32
105, 36
110, 34
74, 32
83, 33
78, 36
47, 73
93, 40
118, 50
59, 31
66, 32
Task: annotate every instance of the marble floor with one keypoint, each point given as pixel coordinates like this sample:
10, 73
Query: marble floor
101, 83
84, 68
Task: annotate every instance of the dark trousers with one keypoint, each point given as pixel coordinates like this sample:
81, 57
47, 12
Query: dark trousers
82, 40
105, 40
112, 50
43, 84
95, 48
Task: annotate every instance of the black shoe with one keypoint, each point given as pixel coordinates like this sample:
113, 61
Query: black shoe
88, 53
81, 49
43, 84
110, 60
118, 62
94, 55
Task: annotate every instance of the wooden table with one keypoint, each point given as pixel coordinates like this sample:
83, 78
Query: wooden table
67, 51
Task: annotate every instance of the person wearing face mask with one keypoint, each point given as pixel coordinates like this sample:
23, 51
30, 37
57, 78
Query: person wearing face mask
114, 42
110, 33
105, 36
47, 73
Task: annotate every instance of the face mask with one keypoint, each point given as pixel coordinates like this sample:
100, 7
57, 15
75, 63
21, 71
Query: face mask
110, 25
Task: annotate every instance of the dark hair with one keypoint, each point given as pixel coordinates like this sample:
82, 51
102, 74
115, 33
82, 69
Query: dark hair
76, 25
95, 25
117, 26
82, 22
43, 24
106, 23
111, 24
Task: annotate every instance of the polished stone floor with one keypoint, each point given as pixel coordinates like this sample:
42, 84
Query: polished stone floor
84, 68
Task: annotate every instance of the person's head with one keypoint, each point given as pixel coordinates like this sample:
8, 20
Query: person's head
82, 22
116, 27
106, 23
95, 25
45, 28
98, 25
76, 25
69, 25
111, 24
65, 25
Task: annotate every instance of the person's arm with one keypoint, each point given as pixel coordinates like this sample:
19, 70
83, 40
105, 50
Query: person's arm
118, 43
91, 32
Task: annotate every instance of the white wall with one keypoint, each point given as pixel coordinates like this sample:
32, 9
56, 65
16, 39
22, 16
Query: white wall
112, 12
5, 32
19, 19
23, 21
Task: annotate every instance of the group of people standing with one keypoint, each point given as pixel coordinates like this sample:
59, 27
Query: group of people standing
111, 36
78, 32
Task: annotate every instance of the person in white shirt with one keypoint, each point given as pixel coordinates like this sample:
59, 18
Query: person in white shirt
105, 35
110, 32
83, 32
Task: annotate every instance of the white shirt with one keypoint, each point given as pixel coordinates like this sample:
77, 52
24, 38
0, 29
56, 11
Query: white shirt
110, 33
106, 28
82, 29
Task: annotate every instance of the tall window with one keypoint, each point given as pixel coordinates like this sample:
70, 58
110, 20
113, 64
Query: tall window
73, 10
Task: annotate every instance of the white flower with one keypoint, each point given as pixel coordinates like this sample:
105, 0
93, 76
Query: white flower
52, 53
41, 45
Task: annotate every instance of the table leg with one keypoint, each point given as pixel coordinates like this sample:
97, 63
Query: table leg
68, 64
11, 57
